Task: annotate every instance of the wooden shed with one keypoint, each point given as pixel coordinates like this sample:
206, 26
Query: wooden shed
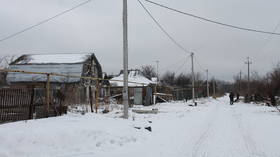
75, 64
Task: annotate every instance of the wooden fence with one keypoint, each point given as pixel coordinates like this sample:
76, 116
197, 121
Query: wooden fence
16, 104
28, 103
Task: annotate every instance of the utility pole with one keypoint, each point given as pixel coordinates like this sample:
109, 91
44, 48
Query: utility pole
248, 62
214, 88
207, 83
239, 84
155, 94
125, 61
157, 71
193, 92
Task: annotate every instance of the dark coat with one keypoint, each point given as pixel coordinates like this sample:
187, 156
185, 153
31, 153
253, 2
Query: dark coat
231, 96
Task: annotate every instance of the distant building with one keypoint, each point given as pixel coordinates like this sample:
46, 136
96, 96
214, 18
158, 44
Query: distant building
140, 87
135, 78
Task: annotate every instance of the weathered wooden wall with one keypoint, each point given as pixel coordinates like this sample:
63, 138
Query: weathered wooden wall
16, 104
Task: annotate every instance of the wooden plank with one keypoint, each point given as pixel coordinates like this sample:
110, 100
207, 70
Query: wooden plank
97, 96
90, 99
48, 95
1, 105
153, 111
30, 116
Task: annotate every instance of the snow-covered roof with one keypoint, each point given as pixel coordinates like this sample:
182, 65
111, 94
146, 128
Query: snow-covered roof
52, 58
67, 64
134, 76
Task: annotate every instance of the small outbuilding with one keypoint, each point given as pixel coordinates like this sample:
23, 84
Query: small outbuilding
140, 88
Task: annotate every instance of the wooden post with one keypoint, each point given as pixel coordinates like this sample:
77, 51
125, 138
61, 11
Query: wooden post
97, 96
31, 107
48, 95
90, 99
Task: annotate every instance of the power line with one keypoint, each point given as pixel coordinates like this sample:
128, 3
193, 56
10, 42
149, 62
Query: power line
212, 21
268, 39
199, 65
179, 68
162, 28
44, 21
173, 64
202, 68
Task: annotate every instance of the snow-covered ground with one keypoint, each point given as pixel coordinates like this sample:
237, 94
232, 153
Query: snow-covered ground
212, 129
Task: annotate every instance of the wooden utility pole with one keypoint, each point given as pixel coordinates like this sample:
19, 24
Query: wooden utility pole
239, 84
155, 94
125, 61
193, 91
207, 83
214, 88
157, 71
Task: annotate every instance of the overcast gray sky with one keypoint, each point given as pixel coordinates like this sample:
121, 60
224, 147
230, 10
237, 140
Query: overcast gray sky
97, 27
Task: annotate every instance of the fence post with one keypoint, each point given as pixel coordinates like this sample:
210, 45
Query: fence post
90, 99
31, 107
97, 96
48, 95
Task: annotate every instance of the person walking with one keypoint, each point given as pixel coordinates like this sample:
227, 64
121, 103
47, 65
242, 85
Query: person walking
237, 97
231, 97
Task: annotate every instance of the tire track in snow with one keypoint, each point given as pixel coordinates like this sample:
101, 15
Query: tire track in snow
200, 141
251, 145
204, 136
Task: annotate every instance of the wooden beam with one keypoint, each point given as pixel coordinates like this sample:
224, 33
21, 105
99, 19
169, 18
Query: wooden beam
48, 95
97, 96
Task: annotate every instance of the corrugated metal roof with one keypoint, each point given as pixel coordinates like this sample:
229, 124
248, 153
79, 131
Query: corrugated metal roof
67, 69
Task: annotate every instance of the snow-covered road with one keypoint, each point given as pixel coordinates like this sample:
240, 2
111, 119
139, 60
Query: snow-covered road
213, 129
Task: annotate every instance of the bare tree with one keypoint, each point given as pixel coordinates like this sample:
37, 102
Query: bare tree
4, 64
183, 80
148, 71
168, 78
274, 86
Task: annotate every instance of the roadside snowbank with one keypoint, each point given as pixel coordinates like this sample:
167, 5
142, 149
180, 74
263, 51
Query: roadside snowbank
212, 129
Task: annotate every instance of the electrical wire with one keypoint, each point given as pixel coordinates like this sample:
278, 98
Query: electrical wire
44, 21
179, 68
162, 28
202, 68
268, 39
199, 65
212, 21
175, 63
